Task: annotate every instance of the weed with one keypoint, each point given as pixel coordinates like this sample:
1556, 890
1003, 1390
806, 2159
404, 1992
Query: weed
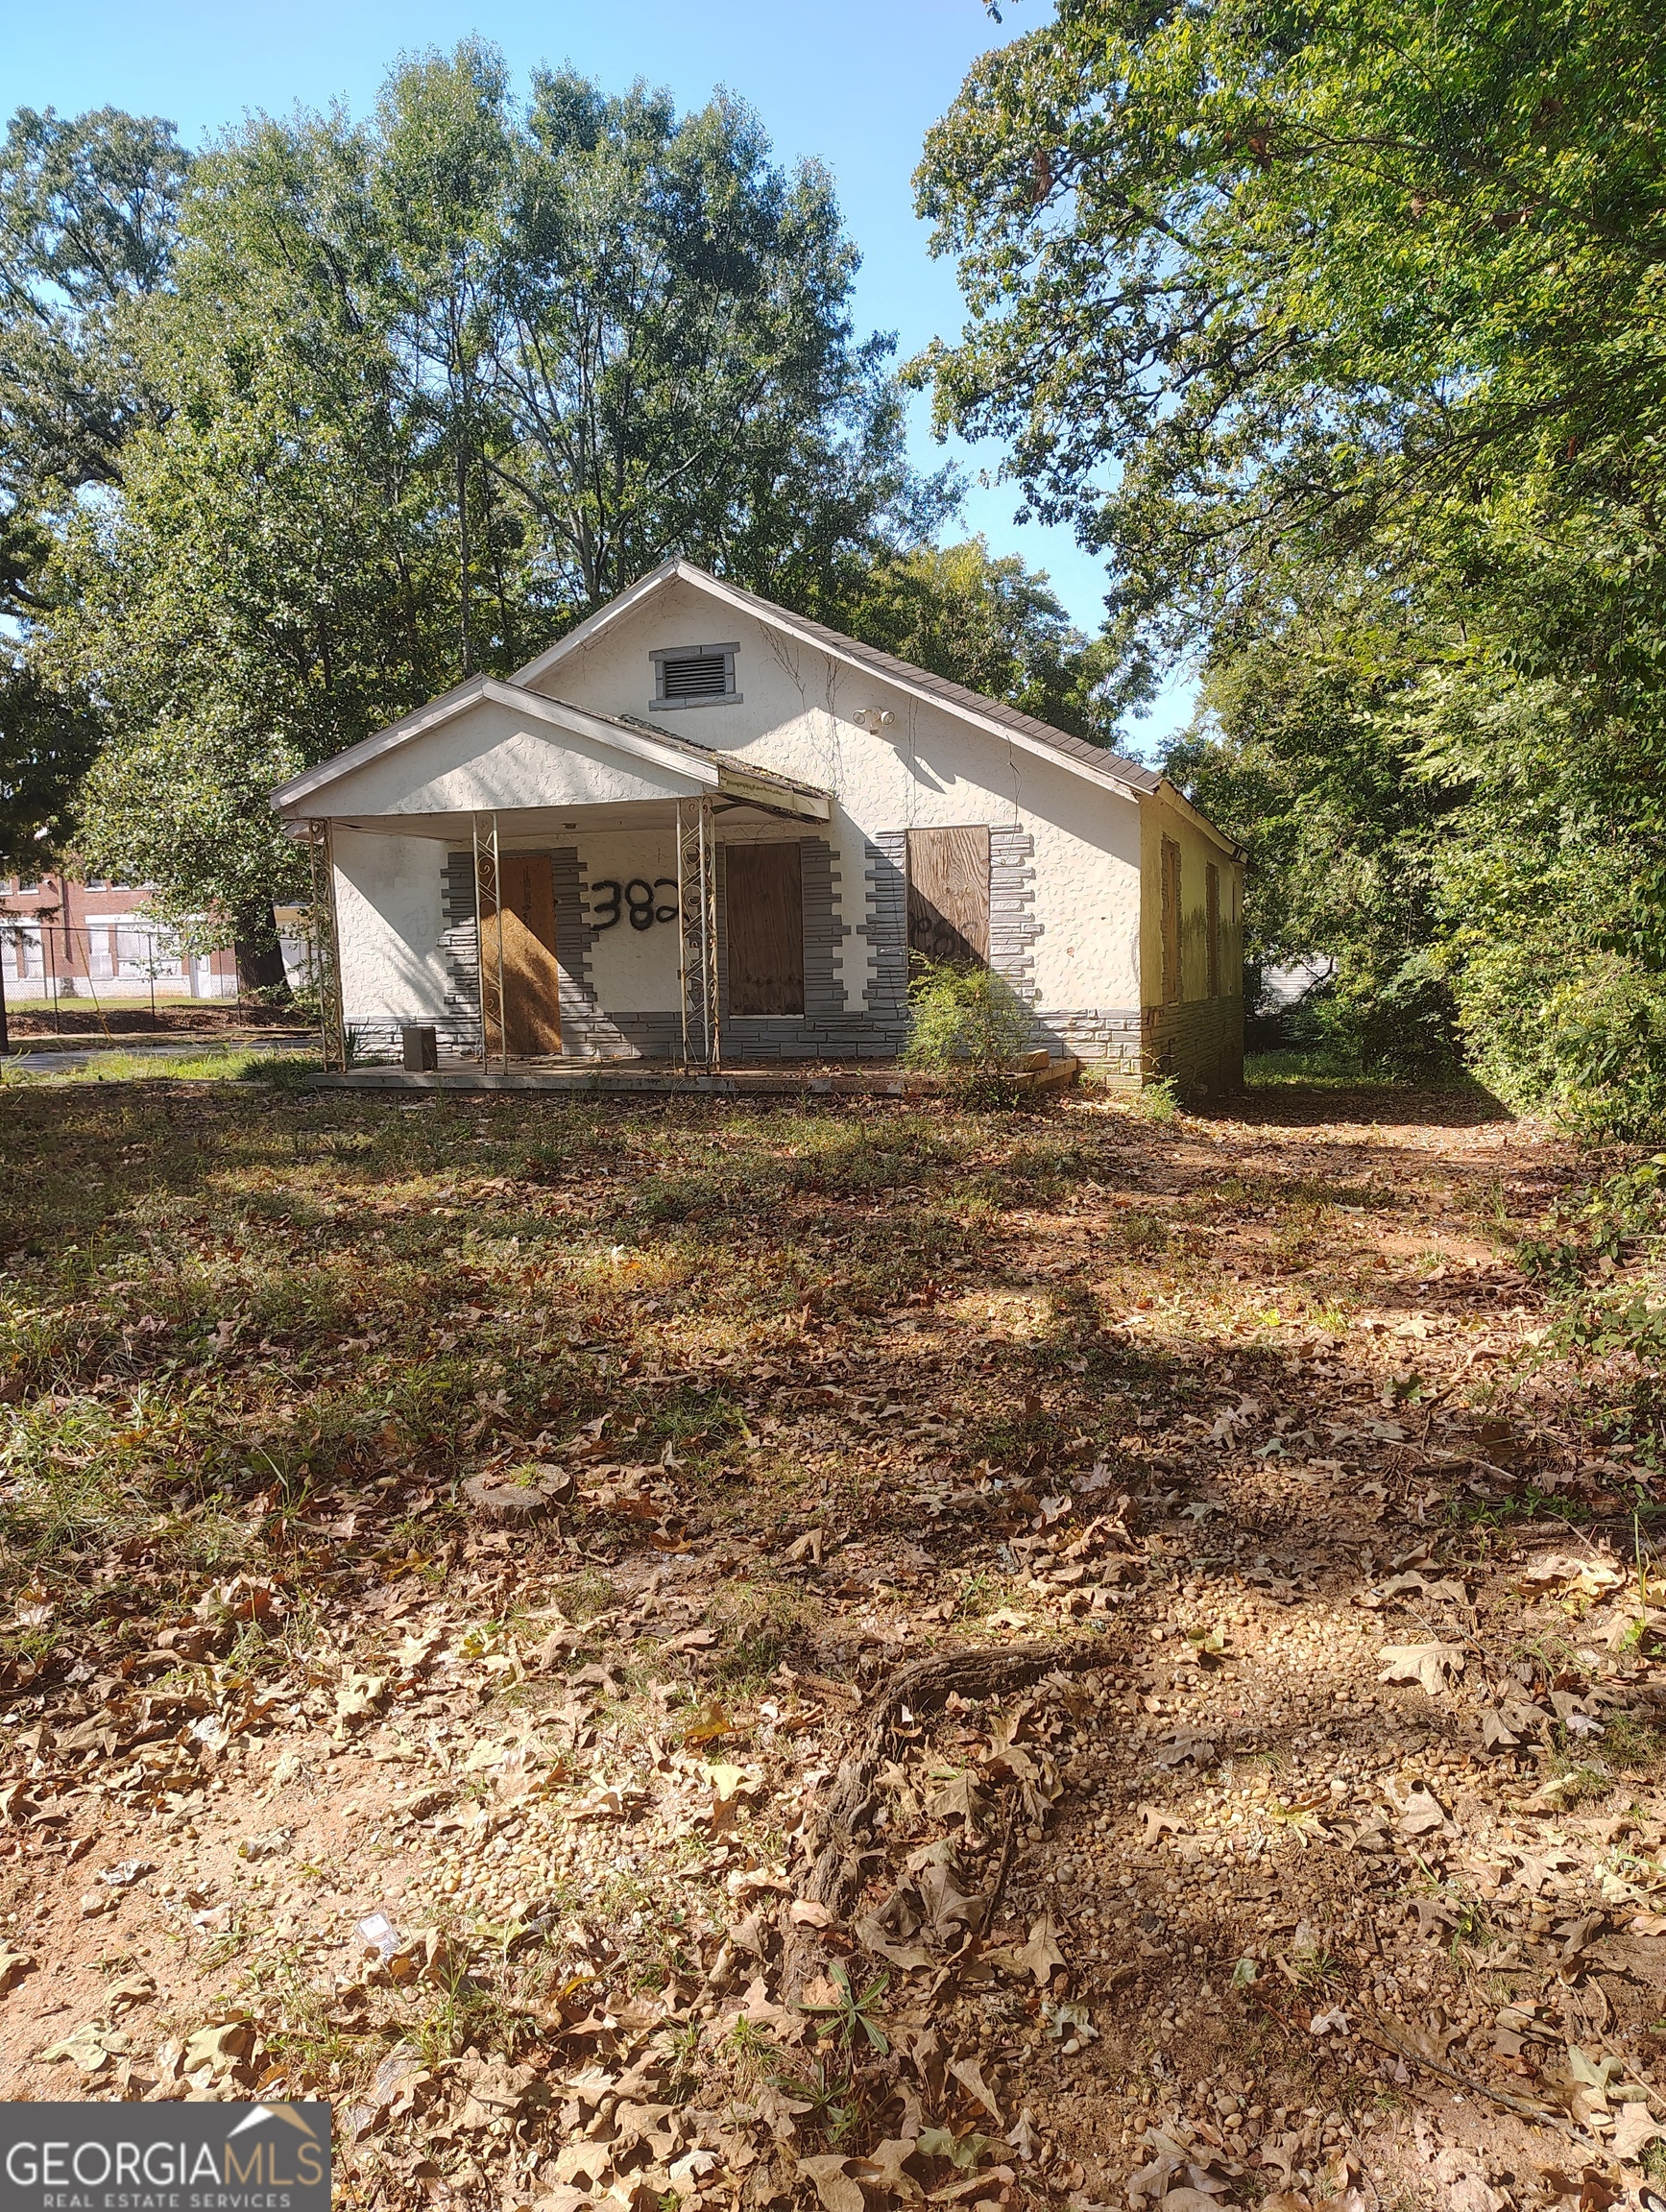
761, 1624
826, 2089
853, 2013
1577, 1783
1158, 1101
965, 1022
582, 1596
1632, 1745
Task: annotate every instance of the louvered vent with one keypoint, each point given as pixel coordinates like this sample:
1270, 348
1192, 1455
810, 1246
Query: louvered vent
687, 679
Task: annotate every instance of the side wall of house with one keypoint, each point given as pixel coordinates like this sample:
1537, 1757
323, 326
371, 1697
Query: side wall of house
1190, 1030
1065, 853
406, 955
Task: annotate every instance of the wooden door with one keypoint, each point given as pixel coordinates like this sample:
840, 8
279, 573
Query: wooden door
764, 914
949, 895
531, 978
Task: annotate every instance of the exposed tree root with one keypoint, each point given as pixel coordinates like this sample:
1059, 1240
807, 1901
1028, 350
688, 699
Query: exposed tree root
833, 1846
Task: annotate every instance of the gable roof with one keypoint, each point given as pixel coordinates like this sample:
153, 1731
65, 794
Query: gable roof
740, 779
1094, 761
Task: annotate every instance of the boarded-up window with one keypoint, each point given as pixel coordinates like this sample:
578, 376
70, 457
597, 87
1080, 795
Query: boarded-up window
764, 911
949, 895
1211, 893
1171, 921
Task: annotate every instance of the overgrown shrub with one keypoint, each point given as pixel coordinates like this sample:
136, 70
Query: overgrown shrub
1582, 1040
964, 1021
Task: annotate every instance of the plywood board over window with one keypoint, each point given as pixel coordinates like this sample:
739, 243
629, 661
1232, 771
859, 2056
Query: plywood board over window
531, 978
949, 895
1171, 921
764, 915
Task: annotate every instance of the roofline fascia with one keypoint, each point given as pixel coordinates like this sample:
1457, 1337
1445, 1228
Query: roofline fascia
1177, 798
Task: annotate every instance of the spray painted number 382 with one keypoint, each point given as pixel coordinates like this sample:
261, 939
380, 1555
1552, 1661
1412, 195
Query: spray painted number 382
636, 898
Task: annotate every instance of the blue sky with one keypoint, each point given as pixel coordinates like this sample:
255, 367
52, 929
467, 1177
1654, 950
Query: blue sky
857, 85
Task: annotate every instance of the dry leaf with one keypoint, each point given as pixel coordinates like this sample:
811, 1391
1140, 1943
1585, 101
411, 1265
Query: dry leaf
886, 2167
1634, 2130
1422, 1814
959, 1798
969, 2074
222, 2048
834, 2183
14, 1965
1041, 1954
1158, 1822
1429, 1664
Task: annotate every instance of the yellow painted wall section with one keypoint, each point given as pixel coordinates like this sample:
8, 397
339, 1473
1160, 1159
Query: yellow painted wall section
1159, 818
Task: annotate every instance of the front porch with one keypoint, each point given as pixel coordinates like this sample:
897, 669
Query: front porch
570, 913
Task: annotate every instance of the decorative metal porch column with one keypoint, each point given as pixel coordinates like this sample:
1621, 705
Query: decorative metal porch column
697, 932
326, 947
486, 896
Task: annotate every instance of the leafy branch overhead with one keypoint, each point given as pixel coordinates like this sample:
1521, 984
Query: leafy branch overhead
1339, 335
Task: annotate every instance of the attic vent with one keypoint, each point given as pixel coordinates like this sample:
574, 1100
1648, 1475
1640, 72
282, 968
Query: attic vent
694, 676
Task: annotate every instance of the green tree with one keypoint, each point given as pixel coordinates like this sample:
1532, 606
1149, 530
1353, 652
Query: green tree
675, 360
1338, 331
275, 580
88, 214
989, 622
433, 385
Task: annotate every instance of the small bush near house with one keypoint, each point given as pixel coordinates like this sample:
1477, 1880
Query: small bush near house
964, 1021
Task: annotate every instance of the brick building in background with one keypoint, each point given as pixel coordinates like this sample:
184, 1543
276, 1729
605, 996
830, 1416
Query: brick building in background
64, 940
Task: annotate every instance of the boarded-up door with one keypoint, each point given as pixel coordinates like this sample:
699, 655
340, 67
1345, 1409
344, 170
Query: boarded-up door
531, 978
763, 917
1171, 921
949, 895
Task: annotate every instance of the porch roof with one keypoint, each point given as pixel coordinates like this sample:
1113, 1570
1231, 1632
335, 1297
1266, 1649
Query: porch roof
527, 754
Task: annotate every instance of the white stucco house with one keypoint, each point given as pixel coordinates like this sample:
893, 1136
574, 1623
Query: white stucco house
701, 827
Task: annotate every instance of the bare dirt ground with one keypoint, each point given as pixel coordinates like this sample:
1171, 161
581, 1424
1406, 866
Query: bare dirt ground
1057, 1659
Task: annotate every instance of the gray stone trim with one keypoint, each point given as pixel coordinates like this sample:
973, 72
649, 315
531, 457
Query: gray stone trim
886, 930
599, 1036
1106, 1040
460, 949
1198, 1042
573, 938
1013, 928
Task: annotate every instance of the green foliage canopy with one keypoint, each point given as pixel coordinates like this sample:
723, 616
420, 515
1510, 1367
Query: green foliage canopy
431, 387
87, 208
1339, 327
987, 621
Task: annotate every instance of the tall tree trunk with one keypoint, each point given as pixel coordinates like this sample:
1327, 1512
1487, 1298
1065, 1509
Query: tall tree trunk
463, 558
259, 954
